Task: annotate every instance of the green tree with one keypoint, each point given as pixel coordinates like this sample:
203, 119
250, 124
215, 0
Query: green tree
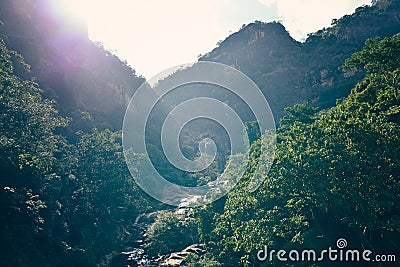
170, 233
334, 175
28, 154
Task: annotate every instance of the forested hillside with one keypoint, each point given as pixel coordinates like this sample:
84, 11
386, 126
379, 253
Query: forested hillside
67, 197
71, 69
61, 203
290, 72
335, 175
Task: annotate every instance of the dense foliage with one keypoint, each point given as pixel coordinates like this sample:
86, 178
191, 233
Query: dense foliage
170, 232
291, 72
68, 199
335, 174
62, 203
70, 68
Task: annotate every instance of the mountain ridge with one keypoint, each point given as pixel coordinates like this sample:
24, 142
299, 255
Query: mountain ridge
289, 72
78, 73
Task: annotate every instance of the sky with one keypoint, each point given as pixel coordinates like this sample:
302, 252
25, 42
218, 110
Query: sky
154, 35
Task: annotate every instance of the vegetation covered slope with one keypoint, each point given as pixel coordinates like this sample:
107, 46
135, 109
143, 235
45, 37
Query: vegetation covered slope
335, 175
290, 72
68, 199
80, 75
62, 203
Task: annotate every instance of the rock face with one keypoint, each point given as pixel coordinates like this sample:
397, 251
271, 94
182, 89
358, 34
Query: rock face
135, 254
146, 218
178, 258
290, 72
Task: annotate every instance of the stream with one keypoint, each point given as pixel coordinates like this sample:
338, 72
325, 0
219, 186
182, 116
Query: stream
134, 254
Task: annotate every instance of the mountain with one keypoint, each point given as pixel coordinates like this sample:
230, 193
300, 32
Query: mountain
334, 180
290, 72
66, 194
80, 75
67, 197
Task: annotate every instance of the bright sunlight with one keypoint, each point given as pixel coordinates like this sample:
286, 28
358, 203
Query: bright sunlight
155, 35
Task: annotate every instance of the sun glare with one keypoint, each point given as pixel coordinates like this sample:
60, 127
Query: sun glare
155, 35
78, 8
151, 35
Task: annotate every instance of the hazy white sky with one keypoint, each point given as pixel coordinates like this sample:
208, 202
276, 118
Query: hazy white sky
153, 35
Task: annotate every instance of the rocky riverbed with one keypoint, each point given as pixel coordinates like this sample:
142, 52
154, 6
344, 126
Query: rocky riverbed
135, 253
